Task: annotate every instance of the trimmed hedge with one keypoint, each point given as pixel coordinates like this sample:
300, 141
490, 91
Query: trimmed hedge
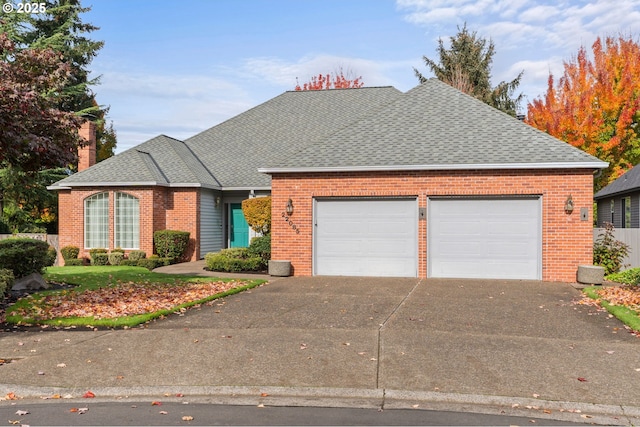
233, 260
136, 255
24, 256
94, 251
6, 281
100, 258
261, 247
153, 262
115, 258
171, 244
74, 262
69, 252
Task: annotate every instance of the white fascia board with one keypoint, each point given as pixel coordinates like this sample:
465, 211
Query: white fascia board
132, 184
559, 165
105, 184
246, 188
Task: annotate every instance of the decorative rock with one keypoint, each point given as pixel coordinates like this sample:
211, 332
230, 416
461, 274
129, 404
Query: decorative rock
591, 274
32, 282
280, 268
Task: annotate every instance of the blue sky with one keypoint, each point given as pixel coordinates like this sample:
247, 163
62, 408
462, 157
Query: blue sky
179, 67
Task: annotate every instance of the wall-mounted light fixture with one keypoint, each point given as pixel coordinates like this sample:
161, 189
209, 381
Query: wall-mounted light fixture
217, 201
568, 205
289, 207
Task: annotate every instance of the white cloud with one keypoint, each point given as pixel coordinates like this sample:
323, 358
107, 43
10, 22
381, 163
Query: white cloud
540, 13
176, 105
284, 73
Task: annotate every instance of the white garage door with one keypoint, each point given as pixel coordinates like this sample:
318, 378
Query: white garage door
485, 238
366, 237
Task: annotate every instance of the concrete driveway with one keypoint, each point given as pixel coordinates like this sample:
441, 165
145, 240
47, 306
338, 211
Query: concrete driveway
512, 345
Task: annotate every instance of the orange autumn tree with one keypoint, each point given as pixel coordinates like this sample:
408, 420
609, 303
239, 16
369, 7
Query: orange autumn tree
336, 81
595, 105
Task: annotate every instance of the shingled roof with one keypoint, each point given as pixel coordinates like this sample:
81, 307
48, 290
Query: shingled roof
627, 183
435, 127
160, 161
228, 155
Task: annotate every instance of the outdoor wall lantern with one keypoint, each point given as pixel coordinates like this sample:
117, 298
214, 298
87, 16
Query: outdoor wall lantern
218, 202
290, 207
568, 205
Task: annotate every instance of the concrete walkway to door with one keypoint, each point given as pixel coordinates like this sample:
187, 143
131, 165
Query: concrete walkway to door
516, 347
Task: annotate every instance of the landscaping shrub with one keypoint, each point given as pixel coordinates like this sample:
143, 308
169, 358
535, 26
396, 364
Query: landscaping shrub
69, 252
171, 243
609, 252
100, 258
74, 262
261, 247
233, 260
136, 255
115, 258
119, 250
94, 251
628, 277
6, 281
257, 212
24, 256
129, 262
52, 254
153, 262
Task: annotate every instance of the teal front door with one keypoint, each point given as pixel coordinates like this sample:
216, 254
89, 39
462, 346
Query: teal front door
238, 228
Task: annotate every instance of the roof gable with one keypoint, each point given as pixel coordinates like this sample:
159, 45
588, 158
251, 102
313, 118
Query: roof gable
435, 126
161, 161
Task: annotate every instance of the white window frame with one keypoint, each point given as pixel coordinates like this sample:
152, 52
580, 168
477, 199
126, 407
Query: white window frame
96, 221
626, 212
126, 223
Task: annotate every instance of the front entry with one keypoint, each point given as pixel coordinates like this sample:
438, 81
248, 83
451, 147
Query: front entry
238, 227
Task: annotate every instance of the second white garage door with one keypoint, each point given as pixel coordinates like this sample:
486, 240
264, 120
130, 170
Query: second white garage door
366, 237
485, 238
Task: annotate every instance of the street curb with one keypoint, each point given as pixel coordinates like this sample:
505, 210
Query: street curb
380, 399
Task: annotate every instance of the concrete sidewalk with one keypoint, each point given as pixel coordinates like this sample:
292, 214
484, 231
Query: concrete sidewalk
515, 347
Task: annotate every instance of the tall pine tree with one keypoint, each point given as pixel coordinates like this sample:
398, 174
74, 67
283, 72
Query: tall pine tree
466, 65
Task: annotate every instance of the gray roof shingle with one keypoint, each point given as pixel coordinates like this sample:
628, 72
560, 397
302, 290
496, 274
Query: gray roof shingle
228, 155
280, 127
159, 161
435, 126
626, 183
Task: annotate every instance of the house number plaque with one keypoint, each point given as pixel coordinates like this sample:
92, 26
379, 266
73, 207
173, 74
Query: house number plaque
291, 224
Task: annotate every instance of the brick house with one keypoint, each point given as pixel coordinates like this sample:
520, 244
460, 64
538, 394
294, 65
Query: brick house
372, 181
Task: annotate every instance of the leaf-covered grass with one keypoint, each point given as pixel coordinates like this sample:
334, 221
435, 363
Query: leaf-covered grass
621, 302
117, 297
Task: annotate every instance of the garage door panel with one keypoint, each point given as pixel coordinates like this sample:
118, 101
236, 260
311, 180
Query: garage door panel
484, 238
363, 237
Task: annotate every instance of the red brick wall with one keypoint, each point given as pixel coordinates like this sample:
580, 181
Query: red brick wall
87, 153
160, 208
566, 240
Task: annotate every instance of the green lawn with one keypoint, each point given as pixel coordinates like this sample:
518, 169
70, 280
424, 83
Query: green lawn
114, 296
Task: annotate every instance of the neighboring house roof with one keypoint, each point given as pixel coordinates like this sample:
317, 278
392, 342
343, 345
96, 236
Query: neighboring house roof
228, 155
627, 183
160, 161
435, 127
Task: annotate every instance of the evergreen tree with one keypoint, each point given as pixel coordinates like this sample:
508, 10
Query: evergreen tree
59, 29
466, 65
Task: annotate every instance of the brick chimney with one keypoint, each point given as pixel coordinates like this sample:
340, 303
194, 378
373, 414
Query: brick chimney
87, 153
